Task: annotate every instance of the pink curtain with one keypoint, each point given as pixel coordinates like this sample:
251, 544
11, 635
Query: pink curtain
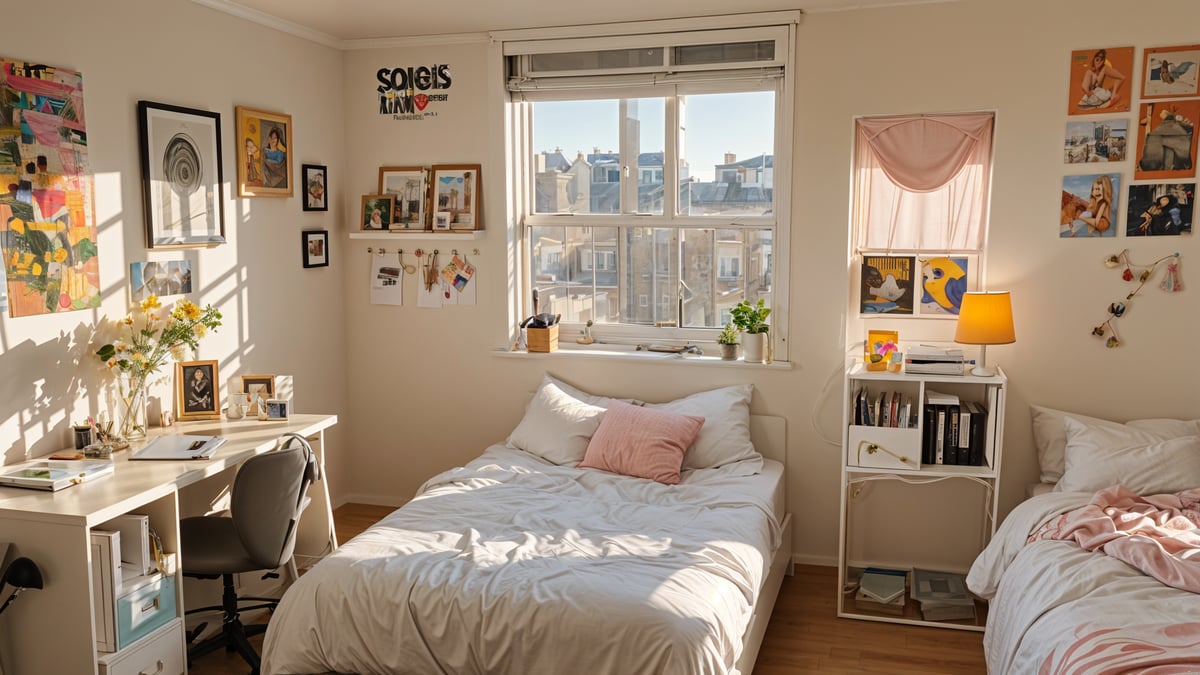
921, 182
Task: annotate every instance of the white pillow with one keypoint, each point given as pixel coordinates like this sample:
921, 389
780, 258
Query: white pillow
725, 436
1050, 435
579, 394
1100, 456
557, 426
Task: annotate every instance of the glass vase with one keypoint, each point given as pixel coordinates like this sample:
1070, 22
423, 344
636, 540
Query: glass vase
132, 408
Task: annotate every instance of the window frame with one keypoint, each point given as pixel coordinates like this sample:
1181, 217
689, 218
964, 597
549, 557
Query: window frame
519, 150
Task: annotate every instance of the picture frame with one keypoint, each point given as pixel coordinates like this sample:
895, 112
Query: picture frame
1166, 142
454, 188
1093, 90
181, 176
161, 278
258, 387
197, 391
377, 212
409, 185
887, 285
315, 179
441, 221
315, 248
1171, 72
264, 146
277, 409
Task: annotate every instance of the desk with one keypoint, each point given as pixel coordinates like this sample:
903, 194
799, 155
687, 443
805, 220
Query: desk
51, 630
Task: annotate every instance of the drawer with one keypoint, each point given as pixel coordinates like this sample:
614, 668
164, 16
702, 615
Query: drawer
883, 448
159, 653
141, 611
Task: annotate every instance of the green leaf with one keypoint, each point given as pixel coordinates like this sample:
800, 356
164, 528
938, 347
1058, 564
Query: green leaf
87, 249
106, 352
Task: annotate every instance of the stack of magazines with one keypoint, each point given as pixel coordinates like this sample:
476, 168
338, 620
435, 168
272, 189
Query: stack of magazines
943, 596
926, 360
881, 590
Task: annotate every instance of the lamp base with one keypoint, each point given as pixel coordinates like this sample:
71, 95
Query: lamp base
983, 371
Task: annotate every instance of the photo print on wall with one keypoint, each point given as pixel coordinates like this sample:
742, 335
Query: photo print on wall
887, 286
1089, 205
1089, 141
1099, 81
1166, 148
1160, 209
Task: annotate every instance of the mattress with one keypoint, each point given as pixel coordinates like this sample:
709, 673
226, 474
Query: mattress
514, 565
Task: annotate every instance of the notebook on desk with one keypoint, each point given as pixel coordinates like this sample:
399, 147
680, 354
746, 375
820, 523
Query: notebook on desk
179, 446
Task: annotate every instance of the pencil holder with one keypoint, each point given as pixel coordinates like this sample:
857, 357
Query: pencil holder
542, 339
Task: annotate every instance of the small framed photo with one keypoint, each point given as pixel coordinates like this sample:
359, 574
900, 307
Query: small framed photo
181, 176
264, 140
441, 220
258, 388
277, 408
316, 248
456, 191
409, 185
1170, 72
377, 212
197, 394
315, 179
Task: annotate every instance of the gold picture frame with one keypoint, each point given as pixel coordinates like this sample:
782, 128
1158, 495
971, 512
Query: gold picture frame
454, 190
262, 385
197, 391
264, 153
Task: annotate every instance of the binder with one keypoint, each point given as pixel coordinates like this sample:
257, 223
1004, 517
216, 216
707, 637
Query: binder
965, 432
135, 541
106, 580
928, 428
179, 446
978, 434
951, 441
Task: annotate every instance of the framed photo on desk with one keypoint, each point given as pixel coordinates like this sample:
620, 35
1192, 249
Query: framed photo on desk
197, 395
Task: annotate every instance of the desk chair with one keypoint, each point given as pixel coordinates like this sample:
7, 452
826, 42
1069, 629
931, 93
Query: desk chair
268, 495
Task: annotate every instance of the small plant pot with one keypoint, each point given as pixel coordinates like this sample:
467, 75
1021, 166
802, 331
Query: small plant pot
729, 352
754, 347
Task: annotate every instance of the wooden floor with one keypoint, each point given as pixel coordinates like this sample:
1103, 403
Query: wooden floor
804, 636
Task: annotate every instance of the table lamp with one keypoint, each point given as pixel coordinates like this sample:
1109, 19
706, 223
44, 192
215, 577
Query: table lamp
985, 318
22, 573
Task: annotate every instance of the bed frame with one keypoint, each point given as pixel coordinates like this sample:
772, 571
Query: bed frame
769, 435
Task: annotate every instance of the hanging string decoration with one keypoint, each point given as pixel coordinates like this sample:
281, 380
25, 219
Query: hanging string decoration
1171, 283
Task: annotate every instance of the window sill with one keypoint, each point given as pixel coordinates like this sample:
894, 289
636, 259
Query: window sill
629, 353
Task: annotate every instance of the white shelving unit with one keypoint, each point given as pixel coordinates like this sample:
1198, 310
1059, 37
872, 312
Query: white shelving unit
460, 235
872, 453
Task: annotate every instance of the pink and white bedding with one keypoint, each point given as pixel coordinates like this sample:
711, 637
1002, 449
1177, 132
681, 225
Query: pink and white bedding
1062, 604
512, 564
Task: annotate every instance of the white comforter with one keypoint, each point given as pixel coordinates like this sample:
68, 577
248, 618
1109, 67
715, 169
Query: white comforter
1057, 608
513, 565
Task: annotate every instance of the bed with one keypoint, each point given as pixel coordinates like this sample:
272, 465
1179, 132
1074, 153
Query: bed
528, 560
1100, 572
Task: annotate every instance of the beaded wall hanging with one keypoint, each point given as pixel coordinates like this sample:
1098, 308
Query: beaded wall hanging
1171, 283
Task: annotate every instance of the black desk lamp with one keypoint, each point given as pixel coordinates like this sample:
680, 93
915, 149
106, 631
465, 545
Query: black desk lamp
22, 573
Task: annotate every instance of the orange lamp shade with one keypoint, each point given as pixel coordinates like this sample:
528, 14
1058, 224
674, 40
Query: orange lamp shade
985, 318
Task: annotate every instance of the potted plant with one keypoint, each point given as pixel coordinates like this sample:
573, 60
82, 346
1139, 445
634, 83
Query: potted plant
728, 339
751, 319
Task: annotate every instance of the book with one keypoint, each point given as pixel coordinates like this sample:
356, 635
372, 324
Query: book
179, 446
978, 442
951, 441
883, 585
106, 580
55, 474
940, 612
135, 541
864, 602
964, 432
940, 588
933, 354
928, 428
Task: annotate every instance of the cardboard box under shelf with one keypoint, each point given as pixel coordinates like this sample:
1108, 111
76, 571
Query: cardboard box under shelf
542, 339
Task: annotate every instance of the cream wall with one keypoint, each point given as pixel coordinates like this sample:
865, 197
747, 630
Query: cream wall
429, 373
278, 317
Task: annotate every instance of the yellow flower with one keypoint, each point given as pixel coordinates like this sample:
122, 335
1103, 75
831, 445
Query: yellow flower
60, 255
46, 256
200, 330
128, 320
187, 309
37, 269
151, 302
139, 357
112, 363
17, 225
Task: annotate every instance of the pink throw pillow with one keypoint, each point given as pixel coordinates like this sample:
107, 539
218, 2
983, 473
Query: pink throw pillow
641, 442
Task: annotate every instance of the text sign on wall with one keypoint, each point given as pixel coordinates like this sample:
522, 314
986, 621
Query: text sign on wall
412, 92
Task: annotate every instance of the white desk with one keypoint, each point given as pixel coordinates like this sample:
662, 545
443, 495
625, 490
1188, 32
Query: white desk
51, 630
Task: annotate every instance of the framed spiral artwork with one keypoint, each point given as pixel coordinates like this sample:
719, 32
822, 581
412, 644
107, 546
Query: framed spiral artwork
181, 176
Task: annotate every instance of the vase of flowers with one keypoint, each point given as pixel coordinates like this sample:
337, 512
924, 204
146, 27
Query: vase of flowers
155, 337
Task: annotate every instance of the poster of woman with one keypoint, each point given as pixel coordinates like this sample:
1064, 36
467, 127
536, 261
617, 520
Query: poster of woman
1099, 80
1159, 209
197, 394
1089, 205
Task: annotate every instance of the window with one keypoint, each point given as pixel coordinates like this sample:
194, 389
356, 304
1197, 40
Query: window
650, 161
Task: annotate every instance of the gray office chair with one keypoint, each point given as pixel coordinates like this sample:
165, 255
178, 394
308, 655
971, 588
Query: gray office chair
268, 495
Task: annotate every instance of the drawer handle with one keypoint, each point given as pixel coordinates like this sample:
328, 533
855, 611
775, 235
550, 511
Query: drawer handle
872, 448
152, 605
157, 670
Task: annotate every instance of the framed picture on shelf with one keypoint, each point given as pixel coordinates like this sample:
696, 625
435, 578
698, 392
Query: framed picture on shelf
455, 190
316, 248
277, 409
376, 213
260, 388
263, 142
441, 221
409, 186
315, 179
1170, 72
197, 394
181, 175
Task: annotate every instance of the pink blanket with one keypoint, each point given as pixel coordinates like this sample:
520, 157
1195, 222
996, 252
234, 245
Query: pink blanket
1159, 535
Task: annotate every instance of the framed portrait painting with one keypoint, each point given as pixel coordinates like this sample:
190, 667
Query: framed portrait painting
316, 248
1170, 72
409, 186
263, 142
197, 395
181, 175
456, 191
259, 388
377, 212
1101, 81
315, 178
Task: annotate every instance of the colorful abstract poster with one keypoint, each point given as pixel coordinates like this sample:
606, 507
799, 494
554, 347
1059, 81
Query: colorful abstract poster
1101, 81
1089, 205
888, 284
1160, 209
47, 224
943, 283
1166, 148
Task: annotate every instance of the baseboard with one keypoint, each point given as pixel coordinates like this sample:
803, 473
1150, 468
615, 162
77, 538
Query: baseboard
819, 560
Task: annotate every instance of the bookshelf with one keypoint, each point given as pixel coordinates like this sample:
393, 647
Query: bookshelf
874, 455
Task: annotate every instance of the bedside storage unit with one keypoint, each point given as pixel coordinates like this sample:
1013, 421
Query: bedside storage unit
902, 434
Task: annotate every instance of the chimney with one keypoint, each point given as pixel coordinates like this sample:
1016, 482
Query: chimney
730, 158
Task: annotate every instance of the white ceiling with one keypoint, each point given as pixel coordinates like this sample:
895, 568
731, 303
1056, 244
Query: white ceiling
332, 21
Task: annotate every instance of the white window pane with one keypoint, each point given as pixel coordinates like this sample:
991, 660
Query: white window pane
646, 120
727, 144
721, 267
575, 272
577, 159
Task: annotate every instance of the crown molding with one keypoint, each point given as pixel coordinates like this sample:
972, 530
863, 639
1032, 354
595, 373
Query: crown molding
272, 21
416, 41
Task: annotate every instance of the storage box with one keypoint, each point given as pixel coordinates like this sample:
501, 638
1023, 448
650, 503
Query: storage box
884, 448
141, 611
542, 339
161, 652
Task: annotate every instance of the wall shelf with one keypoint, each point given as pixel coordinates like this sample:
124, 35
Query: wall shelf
463, 235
